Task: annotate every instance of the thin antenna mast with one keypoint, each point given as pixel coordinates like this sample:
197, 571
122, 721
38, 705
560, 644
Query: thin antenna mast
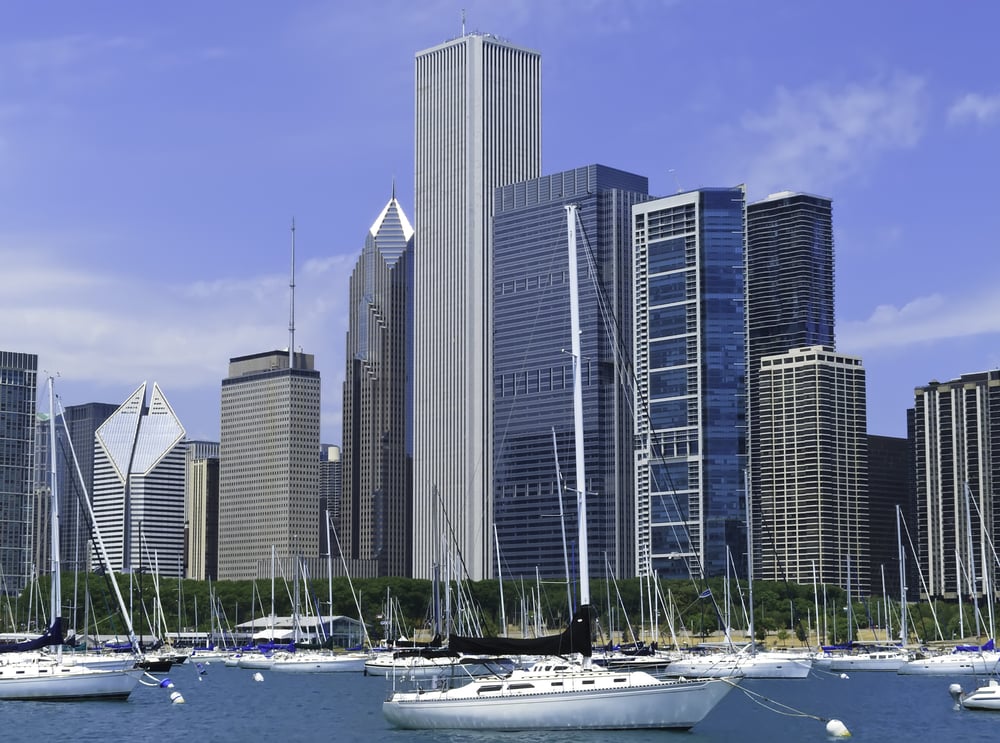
291, 306
463, 21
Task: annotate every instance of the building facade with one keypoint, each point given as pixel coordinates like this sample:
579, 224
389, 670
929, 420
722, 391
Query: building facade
268, 464
891, 487
957, 466
690, 431
790, 295
201, 510
814, 516
18, 394
533, 435
139, 485
331, 489
376, 508
477, 127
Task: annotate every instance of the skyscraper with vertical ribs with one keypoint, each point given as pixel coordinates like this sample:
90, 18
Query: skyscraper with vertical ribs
139, 485
268, 464
477, 127
375, 510
18, 392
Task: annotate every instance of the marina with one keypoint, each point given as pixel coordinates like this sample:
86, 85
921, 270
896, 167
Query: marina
227, 704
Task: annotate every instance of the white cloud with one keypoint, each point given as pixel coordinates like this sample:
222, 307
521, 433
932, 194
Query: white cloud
812, 138
935, 317
974, 107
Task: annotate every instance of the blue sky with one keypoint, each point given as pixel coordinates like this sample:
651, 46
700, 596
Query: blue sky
153, 155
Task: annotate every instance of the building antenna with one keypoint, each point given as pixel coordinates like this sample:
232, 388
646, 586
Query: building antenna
291, 306
463, 21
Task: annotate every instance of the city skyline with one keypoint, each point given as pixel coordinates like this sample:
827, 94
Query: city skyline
152, 159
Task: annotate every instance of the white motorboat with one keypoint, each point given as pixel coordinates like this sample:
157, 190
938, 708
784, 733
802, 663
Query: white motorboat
320, 662
957, 662
986, 697
743, 664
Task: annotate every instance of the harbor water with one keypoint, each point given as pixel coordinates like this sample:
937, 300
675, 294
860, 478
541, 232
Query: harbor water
227, 704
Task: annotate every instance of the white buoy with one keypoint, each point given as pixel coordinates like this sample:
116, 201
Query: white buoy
258, 676
844, 676
837, 729
176, 698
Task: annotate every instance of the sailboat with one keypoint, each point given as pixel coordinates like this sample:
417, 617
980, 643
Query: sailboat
29, 673
557, 692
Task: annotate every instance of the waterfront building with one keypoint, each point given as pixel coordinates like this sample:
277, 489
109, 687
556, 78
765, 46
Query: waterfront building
18, 393
689, 330
139, 485
533, 434
375, 514
268, 464
957, 464
477, 127
201, 510
891, 484
814, 469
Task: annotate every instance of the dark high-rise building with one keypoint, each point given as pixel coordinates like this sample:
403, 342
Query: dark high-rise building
957, 464
533, 432
890, 486
477, 127
201, 510
375, 514
690, 399
18, 393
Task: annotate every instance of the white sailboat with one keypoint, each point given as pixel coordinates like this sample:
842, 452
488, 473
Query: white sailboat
29, 673
559, 693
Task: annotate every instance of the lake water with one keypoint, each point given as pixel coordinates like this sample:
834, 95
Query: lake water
228, 705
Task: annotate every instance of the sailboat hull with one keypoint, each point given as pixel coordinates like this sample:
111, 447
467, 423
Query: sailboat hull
584, 701
51, 682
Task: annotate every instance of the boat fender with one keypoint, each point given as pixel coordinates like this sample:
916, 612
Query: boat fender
837, 729
258, 676
166, 684
176, 698
844, 676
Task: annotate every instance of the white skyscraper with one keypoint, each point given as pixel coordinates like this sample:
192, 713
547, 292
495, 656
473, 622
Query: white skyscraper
478, 126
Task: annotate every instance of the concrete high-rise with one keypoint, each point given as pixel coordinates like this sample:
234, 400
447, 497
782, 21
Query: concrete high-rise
690, 396
532, 372
814, 469
957, 462
268, 464
375, 509
477, 127
18, 393
139, 485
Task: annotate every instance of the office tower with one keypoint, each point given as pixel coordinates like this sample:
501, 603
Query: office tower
82, 422
268, 464
890, 484
375, 512
18, 392
790, 295
533, 371
201, 509
814, 469
139, 485
478, 126
957, 463
690, 397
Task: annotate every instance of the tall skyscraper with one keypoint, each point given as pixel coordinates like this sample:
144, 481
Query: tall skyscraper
18, 392
331, 491
139, 485
478, 126
957, 458
891, 484
690, 396
814, 469
268, 464
790, 296
82, 422
201, 509
532, 373
376, 511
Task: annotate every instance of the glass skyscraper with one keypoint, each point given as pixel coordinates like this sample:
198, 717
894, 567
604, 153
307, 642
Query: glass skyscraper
18, 393
533, 433
477, 127
690, 397
375, 508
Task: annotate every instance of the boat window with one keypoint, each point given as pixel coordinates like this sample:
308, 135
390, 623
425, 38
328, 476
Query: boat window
518, 687
490, 687
556, 683
588, 681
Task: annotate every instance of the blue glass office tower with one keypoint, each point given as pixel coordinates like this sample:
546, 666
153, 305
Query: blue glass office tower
532, 379
690, 433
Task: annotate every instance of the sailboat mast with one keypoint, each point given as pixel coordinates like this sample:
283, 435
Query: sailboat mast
581, 477
902, 577
56, 612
